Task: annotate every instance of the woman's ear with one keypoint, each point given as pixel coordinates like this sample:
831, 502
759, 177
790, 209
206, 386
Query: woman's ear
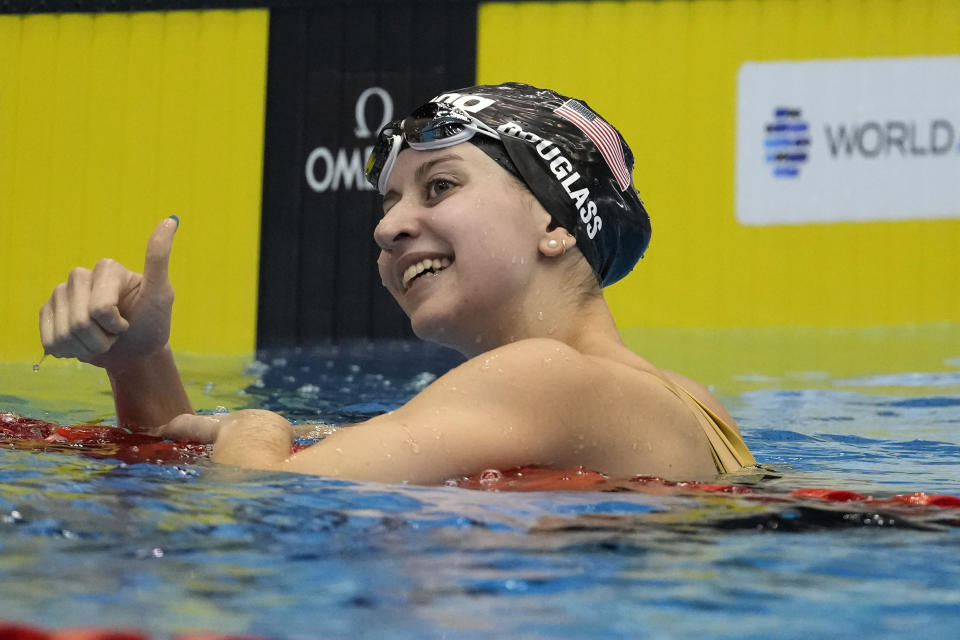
555, 242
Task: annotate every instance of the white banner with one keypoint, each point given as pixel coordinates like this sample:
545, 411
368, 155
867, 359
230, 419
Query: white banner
848, 140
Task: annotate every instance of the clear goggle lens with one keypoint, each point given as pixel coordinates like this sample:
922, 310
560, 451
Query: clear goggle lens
432, 126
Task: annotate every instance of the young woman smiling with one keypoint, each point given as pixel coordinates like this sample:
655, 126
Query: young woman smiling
506, 209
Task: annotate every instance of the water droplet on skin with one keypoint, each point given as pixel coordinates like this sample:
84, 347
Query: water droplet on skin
490, 476
539, 315
523, 261
513, 260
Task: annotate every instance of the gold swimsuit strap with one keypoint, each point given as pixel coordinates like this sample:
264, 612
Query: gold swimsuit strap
730, 452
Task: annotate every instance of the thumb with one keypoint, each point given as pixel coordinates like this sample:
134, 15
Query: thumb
158, 252
190, 427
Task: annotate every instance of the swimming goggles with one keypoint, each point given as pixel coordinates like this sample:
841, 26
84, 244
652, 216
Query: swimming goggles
432, 126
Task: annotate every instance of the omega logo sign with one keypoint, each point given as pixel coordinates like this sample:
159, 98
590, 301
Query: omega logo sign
328, 170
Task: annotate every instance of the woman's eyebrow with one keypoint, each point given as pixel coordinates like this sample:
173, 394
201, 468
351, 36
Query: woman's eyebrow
424, 169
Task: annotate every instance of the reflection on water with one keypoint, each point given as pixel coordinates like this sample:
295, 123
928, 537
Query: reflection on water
170, 548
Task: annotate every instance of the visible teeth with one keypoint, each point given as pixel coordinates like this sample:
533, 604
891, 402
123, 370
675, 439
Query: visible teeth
434, 264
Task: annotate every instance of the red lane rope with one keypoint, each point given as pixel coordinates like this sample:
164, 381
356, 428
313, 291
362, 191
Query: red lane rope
113, 442
18, 631
98, 441
581, 479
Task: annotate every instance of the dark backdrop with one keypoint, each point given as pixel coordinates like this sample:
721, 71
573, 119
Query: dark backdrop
336, 70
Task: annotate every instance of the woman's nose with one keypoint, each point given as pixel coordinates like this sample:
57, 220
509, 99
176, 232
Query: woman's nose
399, 223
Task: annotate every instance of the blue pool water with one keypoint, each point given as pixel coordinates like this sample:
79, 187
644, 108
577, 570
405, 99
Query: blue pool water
169, 549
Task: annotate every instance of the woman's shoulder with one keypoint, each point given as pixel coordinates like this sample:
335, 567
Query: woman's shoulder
652, 379
544, 356
545, 363
592, 405
607, 376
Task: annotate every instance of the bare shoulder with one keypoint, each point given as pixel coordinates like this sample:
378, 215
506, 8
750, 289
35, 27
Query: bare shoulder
534, 363
606, 413
526, 370
536, 401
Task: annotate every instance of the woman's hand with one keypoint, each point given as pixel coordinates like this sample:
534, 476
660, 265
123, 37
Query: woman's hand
250, 438
111, 316
189, 427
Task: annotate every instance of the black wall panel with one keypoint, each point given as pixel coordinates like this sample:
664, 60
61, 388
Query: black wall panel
318, 276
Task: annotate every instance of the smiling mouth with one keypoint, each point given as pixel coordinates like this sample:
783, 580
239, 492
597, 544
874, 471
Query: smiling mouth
430, 265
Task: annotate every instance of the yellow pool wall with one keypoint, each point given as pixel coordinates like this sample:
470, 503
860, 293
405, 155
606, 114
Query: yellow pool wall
665, 73
109, 123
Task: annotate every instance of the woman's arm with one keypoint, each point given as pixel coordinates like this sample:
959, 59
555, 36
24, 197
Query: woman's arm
148, 391
532, 402
119, 320
514, 406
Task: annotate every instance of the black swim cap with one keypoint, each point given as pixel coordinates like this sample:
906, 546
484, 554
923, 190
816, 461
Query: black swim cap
576, 164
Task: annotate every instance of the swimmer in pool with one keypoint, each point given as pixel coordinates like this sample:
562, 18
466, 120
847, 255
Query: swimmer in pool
506, 209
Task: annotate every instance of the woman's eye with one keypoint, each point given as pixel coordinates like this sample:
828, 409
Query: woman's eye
438, 187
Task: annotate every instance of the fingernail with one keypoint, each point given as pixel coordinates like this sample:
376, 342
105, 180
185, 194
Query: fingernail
176, 219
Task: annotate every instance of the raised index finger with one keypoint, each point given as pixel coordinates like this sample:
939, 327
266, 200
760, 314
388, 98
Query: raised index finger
158, 252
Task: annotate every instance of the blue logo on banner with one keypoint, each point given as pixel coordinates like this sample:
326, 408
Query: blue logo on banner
787, 142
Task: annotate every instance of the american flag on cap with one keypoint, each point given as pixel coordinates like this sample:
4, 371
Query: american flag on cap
602, 135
